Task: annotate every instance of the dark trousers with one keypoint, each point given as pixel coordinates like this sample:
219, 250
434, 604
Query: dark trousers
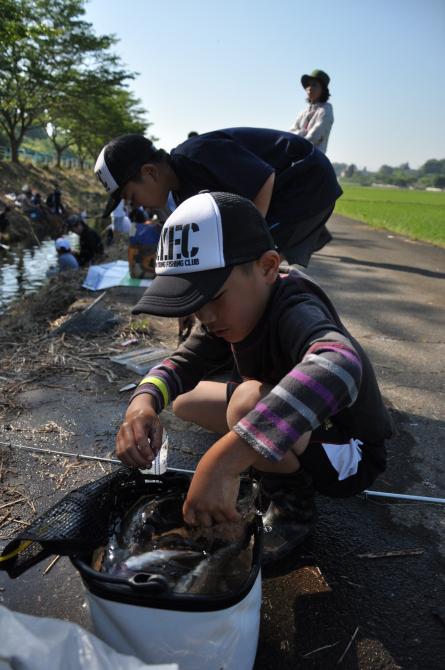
299, 241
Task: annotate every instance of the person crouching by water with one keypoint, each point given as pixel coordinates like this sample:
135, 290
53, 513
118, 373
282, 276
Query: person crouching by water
303, 408
90, 244
315, 122
65, 257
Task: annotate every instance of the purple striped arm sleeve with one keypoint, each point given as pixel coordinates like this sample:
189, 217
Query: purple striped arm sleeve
326, 381
166, 374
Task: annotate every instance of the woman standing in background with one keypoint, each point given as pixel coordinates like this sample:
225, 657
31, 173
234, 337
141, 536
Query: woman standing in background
315, 122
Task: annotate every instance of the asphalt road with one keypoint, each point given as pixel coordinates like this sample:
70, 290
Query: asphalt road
390, 293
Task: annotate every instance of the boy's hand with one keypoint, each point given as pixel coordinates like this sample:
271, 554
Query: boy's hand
211, 498
140, 435
214, 489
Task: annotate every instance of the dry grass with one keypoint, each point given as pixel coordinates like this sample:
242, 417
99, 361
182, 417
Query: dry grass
80, 190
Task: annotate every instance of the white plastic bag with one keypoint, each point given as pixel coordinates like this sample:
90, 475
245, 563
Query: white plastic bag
39, 643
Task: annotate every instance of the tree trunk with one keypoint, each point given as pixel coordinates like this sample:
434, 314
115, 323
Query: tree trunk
15, 145
59, 151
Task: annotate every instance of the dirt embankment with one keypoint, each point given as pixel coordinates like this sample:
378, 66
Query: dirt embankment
57, 389
80, 191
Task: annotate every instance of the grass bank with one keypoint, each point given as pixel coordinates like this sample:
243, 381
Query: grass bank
419, 215
80, 191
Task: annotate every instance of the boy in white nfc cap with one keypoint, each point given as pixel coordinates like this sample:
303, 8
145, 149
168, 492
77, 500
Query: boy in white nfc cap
303, 409
200, 244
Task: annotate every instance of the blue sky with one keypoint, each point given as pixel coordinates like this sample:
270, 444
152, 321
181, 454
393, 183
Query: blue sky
205, 65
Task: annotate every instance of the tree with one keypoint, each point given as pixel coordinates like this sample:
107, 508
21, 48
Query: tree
42, 44
439, 181
98, 114
91, 106
386, 170
433, 166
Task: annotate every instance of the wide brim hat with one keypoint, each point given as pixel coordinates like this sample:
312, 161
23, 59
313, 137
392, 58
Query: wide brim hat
315, 74
201, 242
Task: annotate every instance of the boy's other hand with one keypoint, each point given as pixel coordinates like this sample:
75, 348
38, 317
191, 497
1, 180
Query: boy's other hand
140, 435
211, 497
214, 489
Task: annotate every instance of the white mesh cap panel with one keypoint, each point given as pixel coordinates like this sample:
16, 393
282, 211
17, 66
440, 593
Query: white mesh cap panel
191, 239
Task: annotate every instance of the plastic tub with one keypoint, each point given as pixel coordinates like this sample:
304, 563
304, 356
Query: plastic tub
138, 615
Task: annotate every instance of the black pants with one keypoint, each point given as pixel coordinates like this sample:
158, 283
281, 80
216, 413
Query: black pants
297, 242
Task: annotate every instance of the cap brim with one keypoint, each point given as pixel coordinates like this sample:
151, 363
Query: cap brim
112, 203
305, 79
181, 295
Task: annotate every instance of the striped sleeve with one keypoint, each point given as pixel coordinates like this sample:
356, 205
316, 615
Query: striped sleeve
162, 382
194, 359
326, 381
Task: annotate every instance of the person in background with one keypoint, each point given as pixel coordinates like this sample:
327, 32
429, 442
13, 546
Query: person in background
315, 122
90, 244
120, 223
26, 201
54, 200
290, 182
65, 257
4, 222
58, 207
139, 214
192, 133
146, 225
119, 220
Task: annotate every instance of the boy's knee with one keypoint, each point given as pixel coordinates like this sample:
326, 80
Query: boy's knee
244, 399
182, 406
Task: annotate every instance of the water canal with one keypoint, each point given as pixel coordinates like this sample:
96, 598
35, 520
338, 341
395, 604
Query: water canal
23, 269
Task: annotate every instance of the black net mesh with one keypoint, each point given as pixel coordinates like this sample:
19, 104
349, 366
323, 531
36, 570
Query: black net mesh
79, 522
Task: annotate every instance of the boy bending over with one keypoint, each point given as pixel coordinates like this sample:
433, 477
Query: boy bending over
303, 407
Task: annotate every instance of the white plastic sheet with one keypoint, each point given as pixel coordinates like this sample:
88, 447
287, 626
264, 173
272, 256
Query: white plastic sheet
38, 643
106, 275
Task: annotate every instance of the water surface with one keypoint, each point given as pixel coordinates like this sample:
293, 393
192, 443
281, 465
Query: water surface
23, 270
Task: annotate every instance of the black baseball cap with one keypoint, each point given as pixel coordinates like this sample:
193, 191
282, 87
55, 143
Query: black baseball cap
120, 161
201, 242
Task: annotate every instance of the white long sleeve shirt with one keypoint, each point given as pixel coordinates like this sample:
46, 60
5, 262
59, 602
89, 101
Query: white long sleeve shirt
314, 124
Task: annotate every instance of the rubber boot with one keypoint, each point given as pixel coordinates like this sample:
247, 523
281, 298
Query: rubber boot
290, 515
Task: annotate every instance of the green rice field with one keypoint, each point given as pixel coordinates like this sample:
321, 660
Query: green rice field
419, 215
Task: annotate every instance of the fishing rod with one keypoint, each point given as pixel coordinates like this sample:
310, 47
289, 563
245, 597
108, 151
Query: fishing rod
85, 457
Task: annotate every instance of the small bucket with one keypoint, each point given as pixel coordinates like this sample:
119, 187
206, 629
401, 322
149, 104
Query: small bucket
140, 615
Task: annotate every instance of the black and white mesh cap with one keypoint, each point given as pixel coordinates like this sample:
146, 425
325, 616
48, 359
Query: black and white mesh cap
119, 161
201, 242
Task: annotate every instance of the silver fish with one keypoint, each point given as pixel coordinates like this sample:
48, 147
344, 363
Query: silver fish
161, 556
219, 572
